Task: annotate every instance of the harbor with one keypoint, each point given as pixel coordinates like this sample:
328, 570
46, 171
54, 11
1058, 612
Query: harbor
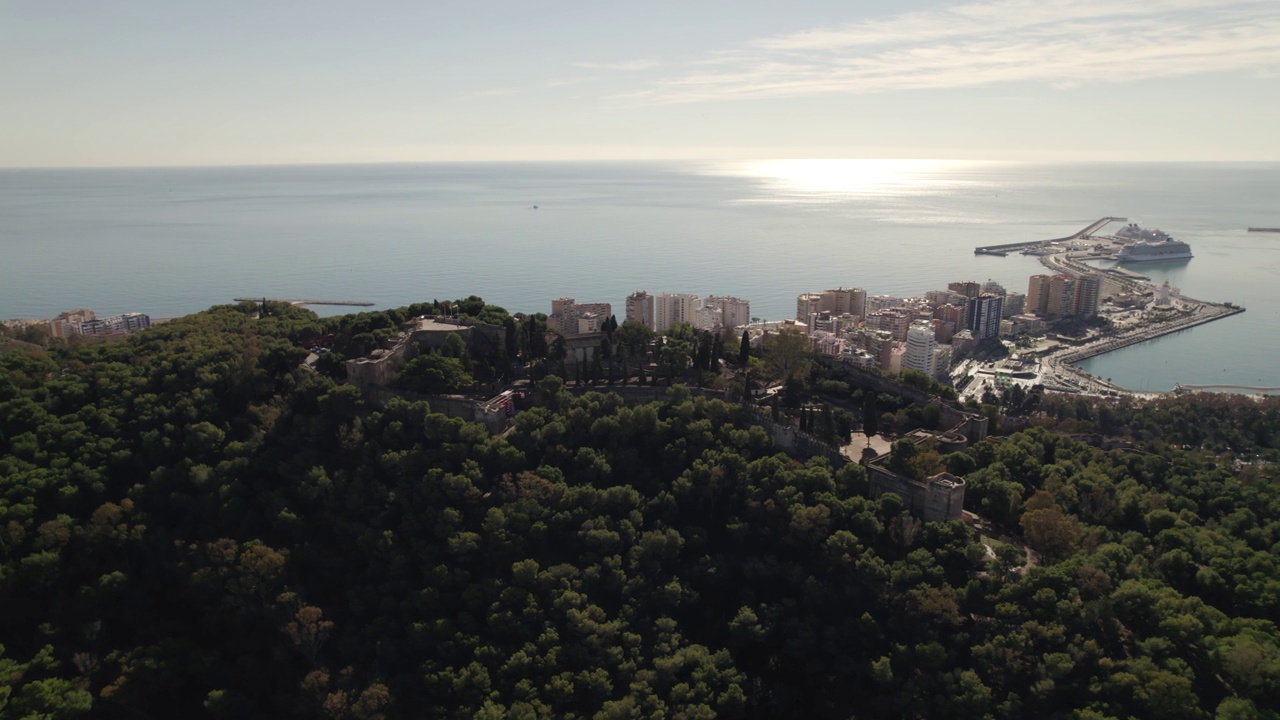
1170, 312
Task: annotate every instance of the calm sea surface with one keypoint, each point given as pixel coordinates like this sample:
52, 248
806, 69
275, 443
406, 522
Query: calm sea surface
173, 241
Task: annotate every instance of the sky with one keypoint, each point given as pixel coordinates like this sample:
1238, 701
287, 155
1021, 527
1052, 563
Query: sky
160, 83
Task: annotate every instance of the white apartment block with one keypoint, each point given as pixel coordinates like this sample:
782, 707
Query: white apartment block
670, 309
127, 323
941, 361
920, 347
708, 317
735, 312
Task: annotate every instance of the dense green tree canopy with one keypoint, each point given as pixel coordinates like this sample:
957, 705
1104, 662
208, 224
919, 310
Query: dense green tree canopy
194, 524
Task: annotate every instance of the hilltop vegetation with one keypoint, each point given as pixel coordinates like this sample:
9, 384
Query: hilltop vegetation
191, 524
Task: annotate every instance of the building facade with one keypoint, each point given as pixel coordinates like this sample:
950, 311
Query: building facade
734, 312
640, 308
985, 315
566, 314
920, 346
807, 304
670, 309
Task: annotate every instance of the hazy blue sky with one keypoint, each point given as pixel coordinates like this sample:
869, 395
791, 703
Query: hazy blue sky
159, 82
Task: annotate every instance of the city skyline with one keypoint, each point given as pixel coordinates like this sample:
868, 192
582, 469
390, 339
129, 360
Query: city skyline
154, 84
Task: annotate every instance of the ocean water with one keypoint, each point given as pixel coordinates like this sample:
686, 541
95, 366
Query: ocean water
172, 241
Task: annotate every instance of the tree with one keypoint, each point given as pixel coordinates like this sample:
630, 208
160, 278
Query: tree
870, 417
744, 350
435, 374
787, 355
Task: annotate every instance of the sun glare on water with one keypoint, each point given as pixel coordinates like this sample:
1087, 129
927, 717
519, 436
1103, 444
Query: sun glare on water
843, 176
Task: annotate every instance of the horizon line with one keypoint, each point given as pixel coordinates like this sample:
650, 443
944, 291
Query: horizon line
623, 159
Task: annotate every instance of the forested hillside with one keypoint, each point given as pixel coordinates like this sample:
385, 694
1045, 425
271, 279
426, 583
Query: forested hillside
195, 525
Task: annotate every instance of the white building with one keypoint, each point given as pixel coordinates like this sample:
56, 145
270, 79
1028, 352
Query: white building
708, 317
920, 347
670, 309
941, 361
126, 323
735, 312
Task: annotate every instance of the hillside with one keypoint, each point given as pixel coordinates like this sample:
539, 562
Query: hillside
195, 525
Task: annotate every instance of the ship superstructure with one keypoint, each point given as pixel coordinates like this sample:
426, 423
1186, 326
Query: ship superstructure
1140, 245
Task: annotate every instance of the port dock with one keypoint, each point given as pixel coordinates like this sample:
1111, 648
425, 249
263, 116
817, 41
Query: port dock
1201, 314
1005, 249
354, 303
1259, 389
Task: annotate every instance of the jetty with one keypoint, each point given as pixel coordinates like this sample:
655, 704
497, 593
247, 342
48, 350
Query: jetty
354, 303
1183, 387
1274, 230
1005, 249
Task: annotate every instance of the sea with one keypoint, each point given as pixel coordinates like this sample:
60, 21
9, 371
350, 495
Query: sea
171, 241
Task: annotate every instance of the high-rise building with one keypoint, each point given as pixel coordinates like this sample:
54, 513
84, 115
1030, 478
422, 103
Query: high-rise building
1084, 302
993, 287
640, 308
1061, 289
842, 301
1014, 303
984, 316
895, 321
69, 322
1038, 295
966, 288
941, 361
671, 309
806, 305
920, 346
735, 312
956, 315
938, 298
858, 302
565, 313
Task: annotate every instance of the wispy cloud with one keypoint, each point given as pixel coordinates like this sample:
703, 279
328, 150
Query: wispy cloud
1062, 43
625, 66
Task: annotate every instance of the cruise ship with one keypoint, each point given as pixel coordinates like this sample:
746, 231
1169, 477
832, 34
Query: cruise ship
1132, 233
1164, 249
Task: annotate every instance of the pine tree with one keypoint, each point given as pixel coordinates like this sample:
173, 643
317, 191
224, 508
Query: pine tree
870, 417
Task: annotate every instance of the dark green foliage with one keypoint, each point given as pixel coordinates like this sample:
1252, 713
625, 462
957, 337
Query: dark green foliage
194, 525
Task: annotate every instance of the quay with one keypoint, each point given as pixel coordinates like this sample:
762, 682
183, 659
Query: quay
1183, 387
1274, 230
355, 303
1005, 249
1203, 313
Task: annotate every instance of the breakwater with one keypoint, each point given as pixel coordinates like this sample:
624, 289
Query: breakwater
354, 303
1085, 232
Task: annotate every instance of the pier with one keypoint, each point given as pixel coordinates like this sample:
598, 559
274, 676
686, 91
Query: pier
1274, 230
354, 303
1005, 249
1183, 387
